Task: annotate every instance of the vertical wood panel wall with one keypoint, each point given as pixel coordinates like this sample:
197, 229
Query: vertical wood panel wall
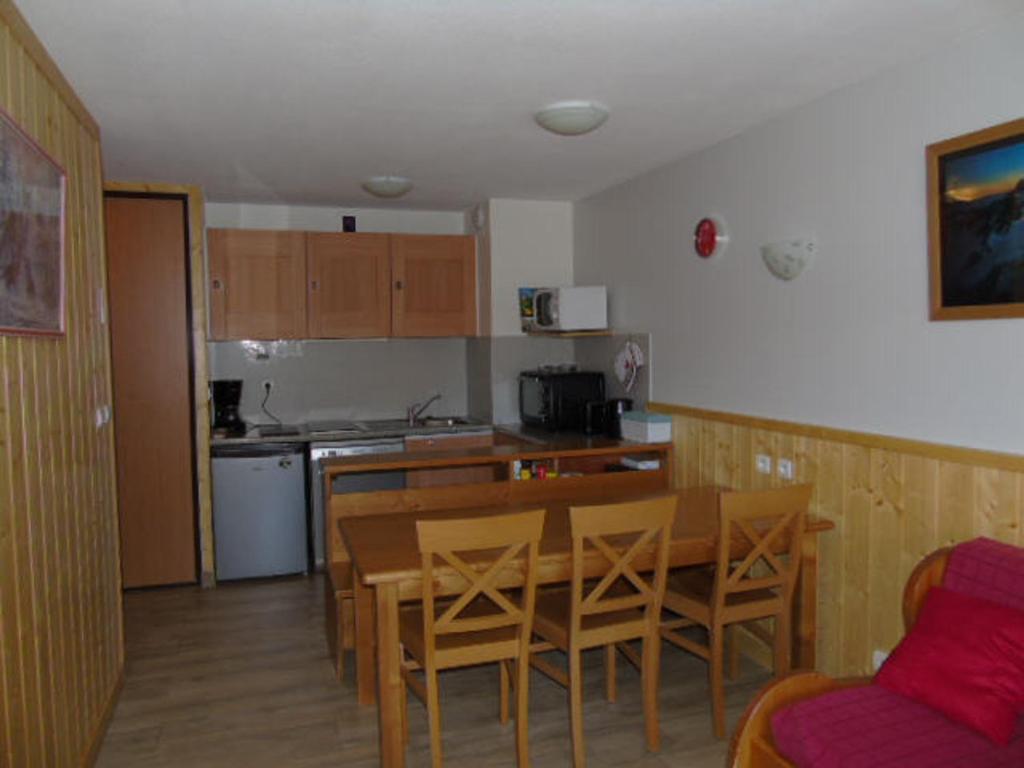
60, 612
892, 501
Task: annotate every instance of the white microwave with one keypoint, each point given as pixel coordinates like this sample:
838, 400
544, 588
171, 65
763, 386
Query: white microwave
568, 308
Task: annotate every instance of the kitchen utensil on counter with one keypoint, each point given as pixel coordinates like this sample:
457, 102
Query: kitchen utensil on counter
613, 416
227, 394
595, 411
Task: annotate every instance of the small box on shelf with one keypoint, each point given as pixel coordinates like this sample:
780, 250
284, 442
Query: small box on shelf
646, 427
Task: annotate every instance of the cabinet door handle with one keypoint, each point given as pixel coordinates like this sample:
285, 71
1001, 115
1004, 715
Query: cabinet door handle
398, 285
314, 285
217, 285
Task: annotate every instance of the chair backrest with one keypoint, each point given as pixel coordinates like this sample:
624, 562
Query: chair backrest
480, 551
633, 538
764, 521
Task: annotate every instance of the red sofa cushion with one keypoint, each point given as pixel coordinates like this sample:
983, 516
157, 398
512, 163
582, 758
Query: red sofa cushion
987, 569
872, 727
965, 658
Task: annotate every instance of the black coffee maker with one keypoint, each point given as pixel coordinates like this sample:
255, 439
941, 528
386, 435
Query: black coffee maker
227, 394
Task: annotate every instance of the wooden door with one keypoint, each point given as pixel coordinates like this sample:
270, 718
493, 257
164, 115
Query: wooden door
434, 279
349, 284
147, 258
257, 284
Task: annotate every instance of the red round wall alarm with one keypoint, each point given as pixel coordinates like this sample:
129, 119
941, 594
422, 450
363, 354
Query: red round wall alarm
709, 238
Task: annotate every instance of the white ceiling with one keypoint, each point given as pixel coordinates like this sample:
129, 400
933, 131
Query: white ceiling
296, 101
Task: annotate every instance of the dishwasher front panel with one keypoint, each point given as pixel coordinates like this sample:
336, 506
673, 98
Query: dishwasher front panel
350, 483
259, 513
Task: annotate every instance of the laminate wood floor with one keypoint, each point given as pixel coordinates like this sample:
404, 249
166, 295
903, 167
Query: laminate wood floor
239, 676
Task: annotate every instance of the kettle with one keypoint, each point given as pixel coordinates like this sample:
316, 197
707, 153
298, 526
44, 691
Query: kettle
614, 409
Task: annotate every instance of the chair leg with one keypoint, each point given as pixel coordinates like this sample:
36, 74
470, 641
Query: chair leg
734, 651
579, 754
649, 674
405, 712
522, 688
609, 671
340, 606
715, 678
782, 644
434, 715
503, 675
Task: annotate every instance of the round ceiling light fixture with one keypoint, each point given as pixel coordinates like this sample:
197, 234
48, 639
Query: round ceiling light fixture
573, 117
387, 186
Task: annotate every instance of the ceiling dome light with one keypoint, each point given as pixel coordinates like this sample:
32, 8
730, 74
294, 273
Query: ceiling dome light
387, 186
572, 118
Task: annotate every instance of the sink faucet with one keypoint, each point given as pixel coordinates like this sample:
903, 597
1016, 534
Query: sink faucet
414, 411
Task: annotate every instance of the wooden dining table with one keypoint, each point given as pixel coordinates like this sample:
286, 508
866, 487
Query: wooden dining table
388, 572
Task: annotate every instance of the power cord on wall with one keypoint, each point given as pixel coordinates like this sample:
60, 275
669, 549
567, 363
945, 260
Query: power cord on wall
267, 387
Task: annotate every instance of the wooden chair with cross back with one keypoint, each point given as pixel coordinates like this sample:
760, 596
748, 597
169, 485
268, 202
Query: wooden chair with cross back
631, 541
760, 585
469, 561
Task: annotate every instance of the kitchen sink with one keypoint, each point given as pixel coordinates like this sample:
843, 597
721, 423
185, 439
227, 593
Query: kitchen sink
443, 421
402, 425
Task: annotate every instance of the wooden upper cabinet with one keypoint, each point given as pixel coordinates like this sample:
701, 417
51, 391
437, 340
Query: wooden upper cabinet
257, 284
349, 284
434, 280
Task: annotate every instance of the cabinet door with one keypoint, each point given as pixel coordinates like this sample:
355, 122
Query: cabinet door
257, 284
430, 478
434, 279
349, 284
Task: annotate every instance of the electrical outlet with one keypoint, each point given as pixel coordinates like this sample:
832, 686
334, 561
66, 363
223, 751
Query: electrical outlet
786, 469
764, 463
878, 659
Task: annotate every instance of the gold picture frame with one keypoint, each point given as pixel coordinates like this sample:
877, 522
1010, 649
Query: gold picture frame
976, 224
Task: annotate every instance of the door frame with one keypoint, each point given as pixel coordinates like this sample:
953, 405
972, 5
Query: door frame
196, 275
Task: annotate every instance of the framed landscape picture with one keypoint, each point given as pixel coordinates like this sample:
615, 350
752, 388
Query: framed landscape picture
32, 201
976, 224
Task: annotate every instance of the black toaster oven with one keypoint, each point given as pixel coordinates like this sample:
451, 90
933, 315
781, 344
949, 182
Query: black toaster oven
557, 401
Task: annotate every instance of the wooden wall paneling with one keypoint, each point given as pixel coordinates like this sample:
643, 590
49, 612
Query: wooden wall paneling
956, 494
828, 501
60, 634
886, 531
997, 505
919, 503
892, 500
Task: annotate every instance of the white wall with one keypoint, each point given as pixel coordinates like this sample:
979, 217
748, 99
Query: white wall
848, 344
321, 219
529, 242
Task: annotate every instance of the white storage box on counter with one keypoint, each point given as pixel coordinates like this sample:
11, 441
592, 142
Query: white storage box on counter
646, 427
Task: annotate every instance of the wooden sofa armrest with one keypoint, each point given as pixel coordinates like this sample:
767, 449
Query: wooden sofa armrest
752, 745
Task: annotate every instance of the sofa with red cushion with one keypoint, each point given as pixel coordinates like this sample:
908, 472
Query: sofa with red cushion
951, 694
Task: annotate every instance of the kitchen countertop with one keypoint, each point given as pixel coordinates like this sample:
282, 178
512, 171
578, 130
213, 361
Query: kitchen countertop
371, 429
558, 444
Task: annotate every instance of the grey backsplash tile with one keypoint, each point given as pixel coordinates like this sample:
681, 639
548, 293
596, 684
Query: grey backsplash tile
364, 378
378, 378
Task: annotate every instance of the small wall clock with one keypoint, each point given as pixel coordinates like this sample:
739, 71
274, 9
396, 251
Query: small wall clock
709, 237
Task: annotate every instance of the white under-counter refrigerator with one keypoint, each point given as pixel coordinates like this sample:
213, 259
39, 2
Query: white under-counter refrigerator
259, 510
